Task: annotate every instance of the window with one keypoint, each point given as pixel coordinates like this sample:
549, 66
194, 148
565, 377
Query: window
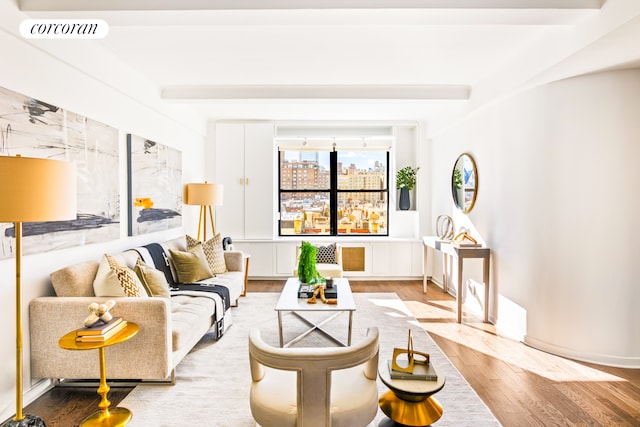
342, 192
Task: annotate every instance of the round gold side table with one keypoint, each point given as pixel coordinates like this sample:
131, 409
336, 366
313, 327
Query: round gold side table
105, 416
410, 402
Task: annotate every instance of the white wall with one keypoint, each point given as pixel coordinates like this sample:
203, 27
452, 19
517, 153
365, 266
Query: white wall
83, 78
557, 167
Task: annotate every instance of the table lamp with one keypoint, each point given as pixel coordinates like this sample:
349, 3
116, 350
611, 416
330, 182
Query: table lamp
204, 195
32, 190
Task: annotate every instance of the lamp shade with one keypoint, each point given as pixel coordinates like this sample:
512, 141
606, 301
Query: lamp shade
203, 194
36, 190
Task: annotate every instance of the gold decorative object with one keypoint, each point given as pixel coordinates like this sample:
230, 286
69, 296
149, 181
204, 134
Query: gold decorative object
319, 290
410, 352
464, 237
444, 227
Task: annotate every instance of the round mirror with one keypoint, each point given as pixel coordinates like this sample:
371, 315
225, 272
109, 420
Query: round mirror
464, 183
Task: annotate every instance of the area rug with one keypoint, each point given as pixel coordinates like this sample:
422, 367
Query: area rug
213, 380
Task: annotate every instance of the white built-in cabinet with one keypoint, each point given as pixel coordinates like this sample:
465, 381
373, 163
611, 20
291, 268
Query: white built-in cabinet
245, 166
397, 259
245, 162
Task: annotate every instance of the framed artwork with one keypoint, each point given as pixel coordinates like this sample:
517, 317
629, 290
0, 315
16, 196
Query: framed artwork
155, 186
33, 128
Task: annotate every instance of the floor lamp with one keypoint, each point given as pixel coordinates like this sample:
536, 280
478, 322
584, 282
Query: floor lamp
32, 190
204, 195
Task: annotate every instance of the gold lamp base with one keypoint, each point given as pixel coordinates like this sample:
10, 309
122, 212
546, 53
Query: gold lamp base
418, 412
111, 418
27, 421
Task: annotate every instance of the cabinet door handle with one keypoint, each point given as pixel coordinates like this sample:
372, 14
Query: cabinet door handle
241, 181
246, 181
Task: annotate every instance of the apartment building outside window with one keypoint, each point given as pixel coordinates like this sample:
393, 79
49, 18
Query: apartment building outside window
341, 192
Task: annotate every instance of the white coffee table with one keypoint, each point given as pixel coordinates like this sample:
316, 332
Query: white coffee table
289, 302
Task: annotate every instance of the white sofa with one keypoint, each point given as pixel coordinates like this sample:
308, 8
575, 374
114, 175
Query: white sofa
169, 327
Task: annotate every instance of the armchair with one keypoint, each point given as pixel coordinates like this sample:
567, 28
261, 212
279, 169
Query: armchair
325, 268
314, 387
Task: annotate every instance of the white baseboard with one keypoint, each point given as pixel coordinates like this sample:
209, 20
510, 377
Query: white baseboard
600, 359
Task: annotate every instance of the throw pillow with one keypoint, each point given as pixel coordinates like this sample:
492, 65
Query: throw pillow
152, 279
115, 280
326, 254
213, 251
191, 266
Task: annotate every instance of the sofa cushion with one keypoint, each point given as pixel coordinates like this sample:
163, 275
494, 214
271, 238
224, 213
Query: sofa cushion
191, 266
187, 311
115, 280
152, 279
213, 251
75, 280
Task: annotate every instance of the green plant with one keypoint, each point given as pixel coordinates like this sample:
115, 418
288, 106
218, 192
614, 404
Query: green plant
457, 178
307, 272
406, 178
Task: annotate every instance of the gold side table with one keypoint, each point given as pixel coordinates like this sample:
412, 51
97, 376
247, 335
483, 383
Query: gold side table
105, 416
410, 402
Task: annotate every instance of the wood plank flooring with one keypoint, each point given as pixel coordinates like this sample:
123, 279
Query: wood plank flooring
522, 386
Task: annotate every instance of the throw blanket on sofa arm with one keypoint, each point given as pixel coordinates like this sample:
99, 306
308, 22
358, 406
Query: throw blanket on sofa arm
218, 293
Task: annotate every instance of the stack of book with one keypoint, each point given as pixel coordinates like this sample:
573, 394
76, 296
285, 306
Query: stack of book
421, 371
101, 331
306, 291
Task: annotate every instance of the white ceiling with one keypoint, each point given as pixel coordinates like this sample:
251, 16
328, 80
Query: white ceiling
353, 59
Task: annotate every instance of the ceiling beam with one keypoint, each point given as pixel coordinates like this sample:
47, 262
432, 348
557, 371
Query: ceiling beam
173, 5
317, 92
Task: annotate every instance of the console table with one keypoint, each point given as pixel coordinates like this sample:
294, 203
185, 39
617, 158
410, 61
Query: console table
450, 252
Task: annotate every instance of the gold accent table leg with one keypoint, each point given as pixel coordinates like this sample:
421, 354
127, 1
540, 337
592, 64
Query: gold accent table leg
421, 411
246, 277
106, 417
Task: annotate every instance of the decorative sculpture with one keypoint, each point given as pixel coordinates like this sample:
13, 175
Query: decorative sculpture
319, 290
444, 227
464, 237
411, 357
99, 312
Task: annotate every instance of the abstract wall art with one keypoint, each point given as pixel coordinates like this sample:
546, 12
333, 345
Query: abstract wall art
155, 186
34, 128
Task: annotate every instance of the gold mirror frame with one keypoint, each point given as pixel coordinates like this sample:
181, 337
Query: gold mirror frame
464, 182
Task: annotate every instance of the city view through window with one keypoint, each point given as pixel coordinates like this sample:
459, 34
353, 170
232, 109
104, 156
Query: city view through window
356, 203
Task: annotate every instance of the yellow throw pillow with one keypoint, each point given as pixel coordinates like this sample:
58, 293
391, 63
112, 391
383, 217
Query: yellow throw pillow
213, 251
152, 279
115, 280
191, 266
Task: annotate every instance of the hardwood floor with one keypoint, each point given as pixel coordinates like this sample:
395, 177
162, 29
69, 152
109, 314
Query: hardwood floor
522, 386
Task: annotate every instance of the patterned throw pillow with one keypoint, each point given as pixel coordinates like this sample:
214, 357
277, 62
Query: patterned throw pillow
153, 280
213, 251
326, 254
115, 280
191, 266
128, 279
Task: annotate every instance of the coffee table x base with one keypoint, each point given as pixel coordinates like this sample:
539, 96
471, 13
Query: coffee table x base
315, 327
289, 302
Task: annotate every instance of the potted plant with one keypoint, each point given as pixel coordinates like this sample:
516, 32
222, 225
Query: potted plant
406, 181
307, 272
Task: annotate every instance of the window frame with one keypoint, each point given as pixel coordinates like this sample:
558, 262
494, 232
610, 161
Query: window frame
334, 192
